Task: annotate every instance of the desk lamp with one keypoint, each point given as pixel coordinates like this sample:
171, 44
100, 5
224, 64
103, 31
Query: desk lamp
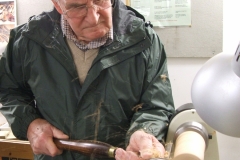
216, 93
215, 107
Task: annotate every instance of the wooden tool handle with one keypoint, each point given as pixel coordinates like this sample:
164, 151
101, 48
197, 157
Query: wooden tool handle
87, 147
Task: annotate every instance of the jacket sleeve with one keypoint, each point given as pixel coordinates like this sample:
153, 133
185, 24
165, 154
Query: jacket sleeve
156, 105
18, 105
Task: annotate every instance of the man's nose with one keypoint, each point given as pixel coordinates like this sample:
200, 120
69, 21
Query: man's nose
92, 15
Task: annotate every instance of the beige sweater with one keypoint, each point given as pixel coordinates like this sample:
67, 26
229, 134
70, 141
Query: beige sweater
83, 60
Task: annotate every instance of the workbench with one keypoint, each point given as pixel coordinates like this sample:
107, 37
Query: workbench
15, 150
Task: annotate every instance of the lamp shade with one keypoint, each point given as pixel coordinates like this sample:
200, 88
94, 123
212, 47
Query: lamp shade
216, 93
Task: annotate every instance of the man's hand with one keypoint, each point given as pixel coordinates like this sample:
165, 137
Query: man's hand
40, 135
142, 146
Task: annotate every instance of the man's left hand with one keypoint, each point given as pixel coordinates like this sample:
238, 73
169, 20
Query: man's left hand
142, 146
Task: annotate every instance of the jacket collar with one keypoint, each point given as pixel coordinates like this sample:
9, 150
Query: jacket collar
128, 29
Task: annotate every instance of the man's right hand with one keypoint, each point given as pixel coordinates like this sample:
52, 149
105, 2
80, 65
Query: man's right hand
40, 135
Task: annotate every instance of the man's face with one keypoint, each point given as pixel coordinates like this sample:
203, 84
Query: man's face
91, 26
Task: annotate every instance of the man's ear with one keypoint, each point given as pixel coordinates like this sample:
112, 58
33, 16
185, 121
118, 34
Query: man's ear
58, 8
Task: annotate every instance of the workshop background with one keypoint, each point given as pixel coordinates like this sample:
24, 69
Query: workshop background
181, 70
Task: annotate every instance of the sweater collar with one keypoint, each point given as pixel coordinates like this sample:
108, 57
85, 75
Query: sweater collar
68, 32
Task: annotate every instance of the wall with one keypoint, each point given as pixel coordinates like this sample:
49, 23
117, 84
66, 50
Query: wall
26, 8
203, 38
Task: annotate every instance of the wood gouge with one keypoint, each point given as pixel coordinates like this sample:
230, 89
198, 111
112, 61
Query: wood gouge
89, 148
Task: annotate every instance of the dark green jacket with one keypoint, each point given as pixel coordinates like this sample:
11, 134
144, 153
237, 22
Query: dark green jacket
38, 79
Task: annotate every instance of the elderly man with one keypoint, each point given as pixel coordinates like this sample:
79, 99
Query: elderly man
89, 70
